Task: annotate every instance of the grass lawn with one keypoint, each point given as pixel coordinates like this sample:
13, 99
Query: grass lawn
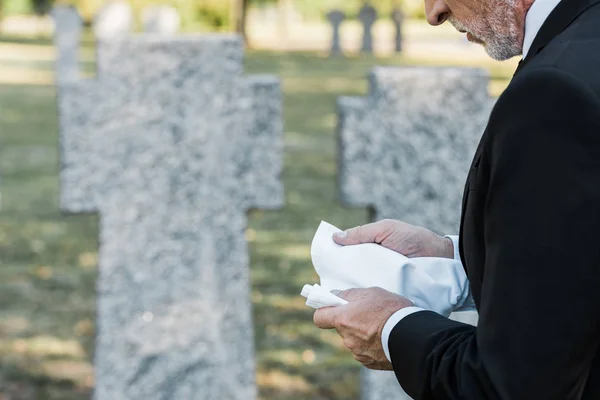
48, 260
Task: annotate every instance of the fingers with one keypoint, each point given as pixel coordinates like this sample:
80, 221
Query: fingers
355, 294
370, 233
325, 318
351, 295
364, 360
329, 317
379, 366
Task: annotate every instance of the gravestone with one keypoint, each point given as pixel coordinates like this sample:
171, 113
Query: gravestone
114, 20
172, 157
164, 20
405, 150
336, 18
398, 19
367, 16
68, 26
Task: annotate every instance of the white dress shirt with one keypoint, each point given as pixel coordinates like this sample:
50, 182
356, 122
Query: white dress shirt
536, 16
399, 315
435, 284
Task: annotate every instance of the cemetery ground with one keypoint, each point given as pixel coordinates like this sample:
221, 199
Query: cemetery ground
48, 259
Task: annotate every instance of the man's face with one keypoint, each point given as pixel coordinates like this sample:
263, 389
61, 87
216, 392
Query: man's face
495, 24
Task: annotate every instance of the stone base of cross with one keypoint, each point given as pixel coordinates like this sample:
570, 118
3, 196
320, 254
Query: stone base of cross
172, 145
405, 150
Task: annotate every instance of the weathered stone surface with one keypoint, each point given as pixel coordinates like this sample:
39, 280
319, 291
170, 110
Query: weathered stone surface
336, 18
114, 20
367, 16
405, 150
68, 26
163, 19
172, 157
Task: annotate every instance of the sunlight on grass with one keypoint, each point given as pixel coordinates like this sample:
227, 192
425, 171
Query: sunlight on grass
42, 346
88, 260
283, 382
296, 252
288, 357
21, 76
286, 303
69, 370
14, 51
318, 85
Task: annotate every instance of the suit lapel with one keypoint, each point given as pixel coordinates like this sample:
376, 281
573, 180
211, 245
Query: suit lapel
561, 17
474, 165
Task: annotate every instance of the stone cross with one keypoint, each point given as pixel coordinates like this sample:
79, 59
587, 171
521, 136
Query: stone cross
114, 20
172, 157
405, 151
398, 19
367, 16
68, 26
161, 19
336, 18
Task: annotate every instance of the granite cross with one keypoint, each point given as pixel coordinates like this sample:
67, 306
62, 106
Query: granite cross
398, 20
368, 17
161, 19
115, 19
405, 150
68, 26
336, 18
172, 157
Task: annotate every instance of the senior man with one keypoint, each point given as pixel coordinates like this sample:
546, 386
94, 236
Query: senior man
530, 226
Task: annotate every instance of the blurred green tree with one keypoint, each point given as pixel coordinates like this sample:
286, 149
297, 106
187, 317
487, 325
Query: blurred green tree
41, 7
221, 15
10, 7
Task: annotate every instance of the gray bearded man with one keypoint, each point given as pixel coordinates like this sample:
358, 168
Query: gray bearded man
529, 238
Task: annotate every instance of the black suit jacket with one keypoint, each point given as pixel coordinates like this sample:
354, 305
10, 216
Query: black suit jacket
530, 237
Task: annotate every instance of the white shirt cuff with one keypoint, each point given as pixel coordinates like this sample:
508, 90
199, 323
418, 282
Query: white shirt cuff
454, 239
391, 323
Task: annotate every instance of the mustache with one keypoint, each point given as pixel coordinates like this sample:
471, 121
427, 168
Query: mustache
459, 26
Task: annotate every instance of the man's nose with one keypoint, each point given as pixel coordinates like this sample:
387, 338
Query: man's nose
437, 12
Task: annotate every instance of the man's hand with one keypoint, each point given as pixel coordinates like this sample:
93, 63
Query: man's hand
361, 322
412, 241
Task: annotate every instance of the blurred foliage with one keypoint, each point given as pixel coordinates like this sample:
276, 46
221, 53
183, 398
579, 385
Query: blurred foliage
41, 7
15, 6
216, 14
195, 14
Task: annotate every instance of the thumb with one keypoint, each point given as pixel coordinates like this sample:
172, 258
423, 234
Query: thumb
325, 318
357, 235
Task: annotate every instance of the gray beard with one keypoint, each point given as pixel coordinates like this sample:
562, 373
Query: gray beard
498, 32
503, 47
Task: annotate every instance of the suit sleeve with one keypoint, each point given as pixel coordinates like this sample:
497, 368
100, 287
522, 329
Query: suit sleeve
540, 301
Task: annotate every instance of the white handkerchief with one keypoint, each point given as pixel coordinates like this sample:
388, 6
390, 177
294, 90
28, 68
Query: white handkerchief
317, 297
437, 284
